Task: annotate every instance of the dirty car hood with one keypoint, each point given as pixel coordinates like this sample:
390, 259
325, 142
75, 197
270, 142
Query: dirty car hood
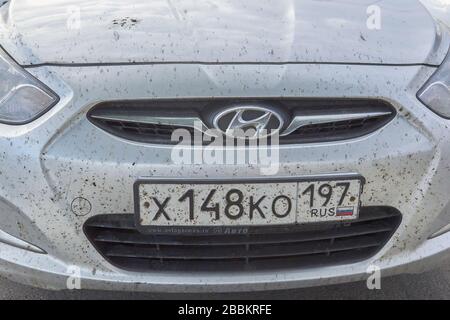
217, 31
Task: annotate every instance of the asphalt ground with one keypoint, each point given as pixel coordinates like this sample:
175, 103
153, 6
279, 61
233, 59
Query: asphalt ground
430, 285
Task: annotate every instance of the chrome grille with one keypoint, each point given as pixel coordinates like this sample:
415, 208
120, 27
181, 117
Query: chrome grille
117, 239
338, 130
311, 120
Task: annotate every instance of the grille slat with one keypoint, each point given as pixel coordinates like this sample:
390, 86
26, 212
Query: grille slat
238, 265
116, 238
237, 252
133, 238
124, 223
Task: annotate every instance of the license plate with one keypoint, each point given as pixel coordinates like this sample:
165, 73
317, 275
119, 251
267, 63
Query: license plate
246, 203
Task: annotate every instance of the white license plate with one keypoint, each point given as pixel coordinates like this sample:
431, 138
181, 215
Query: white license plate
163, 203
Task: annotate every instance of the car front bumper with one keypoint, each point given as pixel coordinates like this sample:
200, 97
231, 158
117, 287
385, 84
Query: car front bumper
46, 271
61, 156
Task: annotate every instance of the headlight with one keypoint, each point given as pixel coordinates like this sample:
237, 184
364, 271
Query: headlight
22, 97
436, 92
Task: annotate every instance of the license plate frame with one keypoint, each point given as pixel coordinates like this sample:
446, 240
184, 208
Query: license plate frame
225, 181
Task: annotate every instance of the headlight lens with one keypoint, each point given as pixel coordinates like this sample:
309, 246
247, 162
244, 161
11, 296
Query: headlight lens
22, 97
436, 92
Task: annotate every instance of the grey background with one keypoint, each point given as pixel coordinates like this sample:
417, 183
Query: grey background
431, 285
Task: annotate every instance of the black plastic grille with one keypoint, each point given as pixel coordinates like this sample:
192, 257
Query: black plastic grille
339, 130
251, 248
143, 132
161, 133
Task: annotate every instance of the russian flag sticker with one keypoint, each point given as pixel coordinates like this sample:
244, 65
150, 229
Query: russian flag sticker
344, 211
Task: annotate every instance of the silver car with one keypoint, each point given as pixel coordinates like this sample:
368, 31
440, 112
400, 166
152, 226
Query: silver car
222, 145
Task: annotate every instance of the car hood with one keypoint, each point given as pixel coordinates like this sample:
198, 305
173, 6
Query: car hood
219, 31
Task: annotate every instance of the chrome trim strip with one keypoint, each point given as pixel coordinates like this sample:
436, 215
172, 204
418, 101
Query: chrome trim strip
301, 121
8, 239
440, 232
188, 122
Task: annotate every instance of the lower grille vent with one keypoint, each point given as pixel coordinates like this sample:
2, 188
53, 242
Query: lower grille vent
310, 245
